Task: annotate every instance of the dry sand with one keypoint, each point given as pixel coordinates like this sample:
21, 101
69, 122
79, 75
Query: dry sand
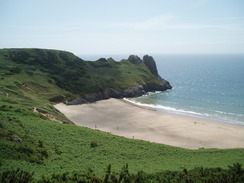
124, 119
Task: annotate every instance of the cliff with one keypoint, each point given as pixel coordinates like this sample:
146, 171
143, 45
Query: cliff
86, 81
134, 91
151, 64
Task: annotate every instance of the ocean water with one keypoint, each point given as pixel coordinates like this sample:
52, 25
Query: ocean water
204, 86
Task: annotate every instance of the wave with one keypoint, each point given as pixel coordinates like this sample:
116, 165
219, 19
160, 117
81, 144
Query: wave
222, 117
168, 109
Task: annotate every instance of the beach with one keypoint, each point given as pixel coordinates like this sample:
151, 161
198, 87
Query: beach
121, 118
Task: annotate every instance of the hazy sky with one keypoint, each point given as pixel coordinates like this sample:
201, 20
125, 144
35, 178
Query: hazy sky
124, 26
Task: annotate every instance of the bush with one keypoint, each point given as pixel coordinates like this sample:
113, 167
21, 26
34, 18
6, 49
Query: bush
235, 174
16, 176
15, 70
30, 73
94, 144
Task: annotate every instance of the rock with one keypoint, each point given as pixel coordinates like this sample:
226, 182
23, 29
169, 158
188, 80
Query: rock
16, 139
134, 59
164, 85
134, 91
147, 60
151, 64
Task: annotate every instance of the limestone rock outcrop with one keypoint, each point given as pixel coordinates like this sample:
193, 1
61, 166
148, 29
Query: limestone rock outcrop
151, 64
134, 91
134, 59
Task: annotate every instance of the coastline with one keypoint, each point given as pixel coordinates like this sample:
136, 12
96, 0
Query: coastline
188, 114
143, 123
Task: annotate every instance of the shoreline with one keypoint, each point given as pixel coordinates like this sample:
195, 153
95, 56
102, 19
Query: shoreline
129, 120
187, 114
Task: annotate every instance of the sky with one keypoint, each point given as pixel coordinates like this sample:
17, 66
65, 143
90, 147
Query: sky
125, 26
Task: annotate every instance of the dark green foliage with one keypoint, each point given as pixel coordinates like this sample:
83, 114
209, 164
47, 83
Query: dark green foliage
4, 108
100, 63
94, 144
30, 73
15, 70
19, 56
16, 176
107, 175
102, 60
16, 144
197, 175
74, 74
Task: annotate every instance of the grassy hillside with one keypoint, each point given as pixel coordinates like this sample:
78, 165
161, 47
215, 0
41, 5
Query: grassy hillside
47, 147
72, 73
34, 136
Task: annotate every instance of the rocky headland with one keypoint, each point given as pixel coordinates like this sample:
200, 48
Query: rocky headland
134, 91
76, 81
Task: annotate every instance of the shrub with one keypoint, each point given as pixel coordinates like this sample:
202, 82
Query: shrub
15, 70
94, 144
30, 73
16, 176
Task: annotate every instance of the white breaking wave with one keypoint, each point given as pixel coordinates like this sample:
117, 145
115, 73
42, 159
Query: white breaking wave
189, 113
169, 109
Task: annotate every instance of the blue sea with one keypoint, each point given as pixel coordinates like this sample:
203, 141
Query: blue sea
204, 86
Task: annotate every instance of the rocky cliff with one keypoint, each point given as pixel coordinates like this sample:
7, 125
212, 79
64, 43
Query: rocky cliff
147, 60
67, 76
134, 91
151, 64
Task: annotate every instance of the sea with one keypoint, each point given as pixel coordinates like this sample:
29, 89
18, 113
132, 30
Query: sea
204, 86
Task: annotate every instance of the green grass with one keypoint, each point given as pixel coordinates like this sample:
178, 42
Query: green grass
74, 74
48, 147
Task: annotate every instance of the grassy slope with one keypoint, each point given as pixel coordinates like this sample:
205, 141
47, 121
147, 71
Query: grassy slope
75, 75
48, 147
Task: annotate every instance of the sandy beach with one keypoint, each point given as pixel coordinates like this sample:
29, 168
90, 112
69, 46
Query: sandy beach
121, 118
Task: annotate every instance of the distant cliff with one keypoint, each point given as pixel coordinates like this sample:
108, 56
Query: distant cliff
85, 81
134, 91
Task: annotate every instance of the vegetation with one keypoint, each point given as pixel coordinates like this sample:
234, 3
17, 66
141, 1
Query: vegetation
39, 144
234, 174
74, 74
